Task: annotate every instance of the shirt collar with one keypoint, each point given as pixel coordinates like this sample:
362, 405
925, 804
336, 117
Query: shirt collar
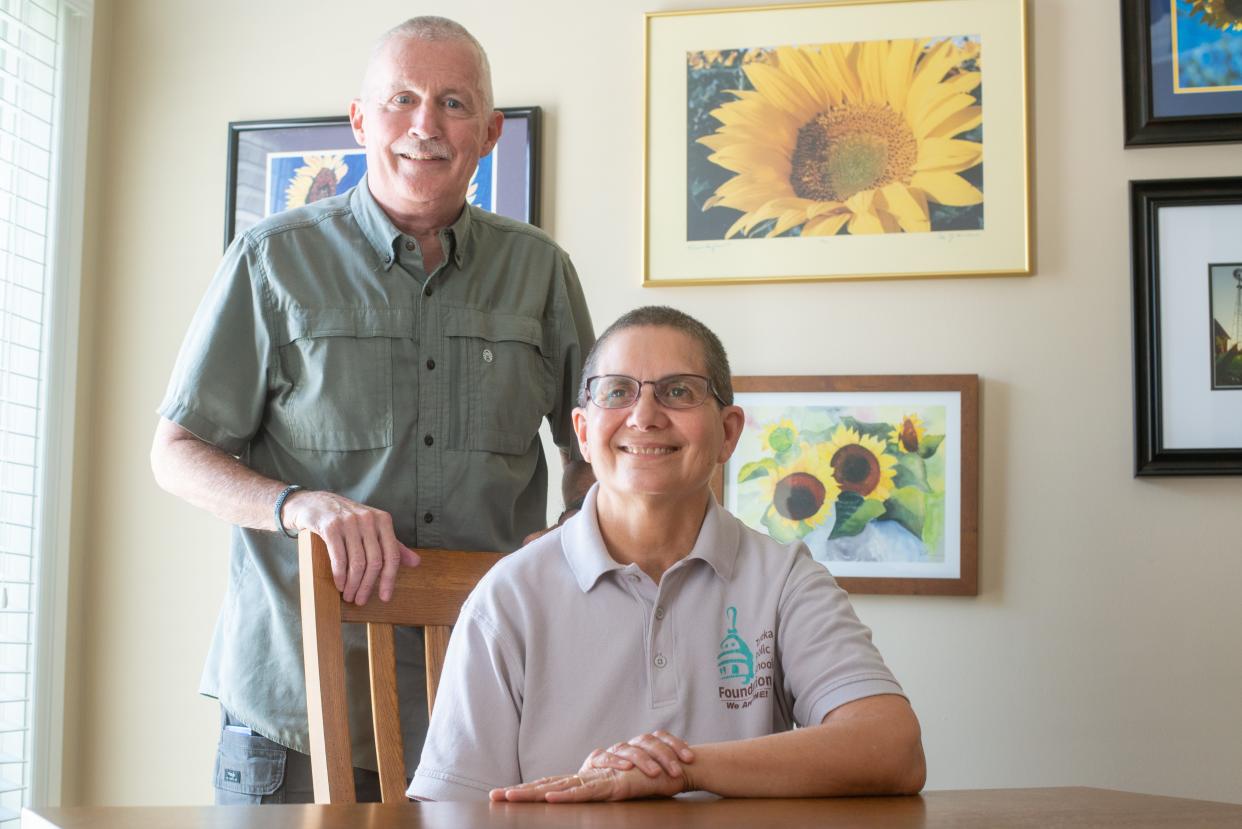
584, 550
382, 234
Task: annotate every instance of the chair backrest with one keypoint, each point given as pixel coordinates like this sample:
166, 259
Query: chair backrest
428, 596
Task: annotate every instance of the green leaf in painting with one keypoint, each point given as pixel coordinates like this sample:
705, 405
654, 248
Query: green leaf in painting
933, 529
911, 471
781, 439
853, 514
756, 469
907, 506
929, 444
876, 430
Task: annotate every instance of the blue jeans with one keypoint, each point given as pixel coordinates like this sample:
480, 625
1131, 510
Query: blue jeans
252, 769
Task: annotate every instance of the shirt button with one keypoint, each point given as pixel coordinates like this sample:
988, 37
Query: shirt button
428, 439
488, 356
431, 364
427, 519
633, 577
660, 661
427, 292
659, 613
409, 246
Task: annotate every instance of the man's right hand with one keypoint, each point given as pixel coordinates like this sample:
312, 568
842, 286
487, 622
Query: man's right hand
362, 547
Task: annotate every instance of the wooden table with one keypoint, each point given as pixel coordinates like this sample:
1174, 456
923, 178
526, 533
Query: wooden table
979, 809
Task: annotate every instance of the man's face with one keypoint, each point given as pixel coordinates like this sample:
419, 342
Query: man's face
424, 123
649, 449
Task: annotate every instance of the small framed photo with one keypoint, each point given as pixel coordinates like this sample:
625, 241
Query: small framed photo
878, 476
838, 140
278, 165
1182, 62
1187, 259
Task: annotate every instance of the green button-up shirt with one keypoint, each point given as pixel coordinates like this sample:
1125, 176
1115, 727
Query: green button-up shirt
325, 355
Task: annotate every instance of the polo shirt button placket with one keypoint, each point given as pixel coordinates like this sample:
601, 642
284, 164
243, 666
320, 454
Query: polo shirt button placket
660, 661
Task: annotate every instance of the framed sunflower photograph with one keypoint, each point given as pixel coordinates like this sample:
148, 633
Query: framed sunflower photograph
1187, 255
877, 475
279, 165
1182, 63
836, 140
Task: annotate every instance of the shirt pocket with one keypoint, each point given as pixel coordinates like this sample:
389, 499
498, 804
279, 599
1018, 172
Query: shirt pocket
335, 387
503, 376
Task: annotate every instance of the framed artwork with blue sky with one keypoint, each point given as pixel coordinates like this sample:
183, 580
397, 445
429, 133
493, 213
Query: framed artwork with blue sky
278, 165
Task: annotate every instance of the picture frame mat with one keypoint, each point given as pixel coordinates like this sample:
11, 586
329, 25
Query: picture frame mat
1190, 238
1002, 247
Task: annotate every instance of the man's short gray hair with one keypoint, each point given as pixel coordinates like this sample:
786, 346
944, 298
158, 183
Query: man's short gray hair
430, 27
715, 360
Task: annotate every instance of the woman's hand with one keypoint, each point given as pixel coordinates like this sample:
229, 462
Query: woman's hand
654, 754
649, 765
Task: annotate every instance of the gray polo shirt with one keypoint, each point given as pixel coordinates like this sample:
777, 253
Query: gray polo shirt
561, 650
324, 355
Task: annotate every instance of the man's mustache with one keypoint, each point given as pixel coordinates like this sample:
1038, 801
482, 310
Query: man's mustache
423, 149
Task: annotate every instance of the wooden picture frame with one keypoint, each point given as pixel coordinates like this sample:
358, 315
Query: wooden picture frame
1163, 104
878, 475
276, 164
762, 146
1187, 257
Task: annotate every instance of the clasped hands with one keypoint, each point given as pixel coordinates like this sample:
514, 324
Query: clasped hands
649, 765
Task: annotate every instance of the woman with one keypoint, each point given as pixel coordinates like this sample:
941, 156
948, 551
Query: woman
655, 612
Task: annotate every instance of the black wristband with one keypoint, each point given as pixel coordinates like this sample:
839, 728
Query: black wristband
280, 503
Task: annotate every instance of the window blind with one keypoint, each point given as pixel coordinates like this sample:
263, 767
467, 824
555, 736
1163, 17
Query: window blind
28, 89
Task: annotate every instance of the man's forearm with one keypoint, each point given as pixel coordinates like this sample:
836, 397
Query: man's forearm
212, 479
877, 752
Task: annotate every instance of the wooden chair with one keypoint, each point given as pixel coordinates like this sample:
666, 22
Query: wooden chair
428, 596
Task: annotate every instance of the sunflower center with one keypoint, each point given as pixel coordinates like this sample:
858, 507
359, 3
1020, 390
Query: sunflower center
798, 496
909, 436
844, 151
322, 186
856, 469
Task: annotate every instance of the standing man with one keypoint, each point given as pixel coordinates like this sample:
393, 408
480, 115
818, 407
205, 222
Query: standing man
373, 367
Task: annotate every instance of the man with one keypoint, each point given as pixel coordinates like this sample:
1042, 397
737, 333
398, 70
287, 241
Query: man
373, 367
670, 620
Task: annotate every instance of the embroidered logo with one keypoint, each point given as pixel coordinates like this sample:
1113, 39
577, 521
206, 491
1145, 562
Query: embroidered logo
735, 661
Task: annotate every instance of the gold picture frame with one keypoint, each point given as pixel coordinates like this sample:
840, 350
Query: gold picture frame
836, 140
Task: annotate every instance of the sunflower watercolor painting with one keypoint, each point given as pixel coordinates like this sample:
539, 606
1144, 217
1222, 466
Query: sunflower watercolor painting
1207, 46
861, 484
825, 139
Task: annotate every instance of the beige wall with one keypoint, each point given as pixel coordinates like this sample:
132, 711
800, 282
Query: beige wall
1103, 648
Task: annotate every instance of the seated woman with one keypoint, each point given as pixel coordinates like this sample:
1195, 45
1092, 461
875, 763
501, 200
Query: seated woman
654, 612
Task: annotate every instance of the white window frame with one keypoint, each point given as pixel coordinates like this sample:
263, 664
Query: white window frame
60, 359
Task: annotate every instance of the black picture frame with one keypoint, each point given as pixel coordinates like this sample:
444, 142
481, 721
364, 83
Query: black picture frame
1148, 87
255, 146
1162, 362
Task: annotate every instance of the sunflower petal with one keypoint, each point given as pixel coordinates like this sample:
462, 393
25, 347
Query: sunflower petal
908, 207
948, 155
958, 122
826, 225
781, 90
943, 111
898, 67
948, 188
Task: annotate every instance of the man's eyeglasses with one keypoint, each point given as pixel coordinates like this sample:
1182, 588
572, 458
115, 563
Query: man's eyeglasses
677, 391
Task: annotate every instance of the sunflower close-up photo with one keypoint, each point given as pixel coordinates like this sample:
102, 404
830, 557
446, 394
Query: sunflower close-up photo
882, 136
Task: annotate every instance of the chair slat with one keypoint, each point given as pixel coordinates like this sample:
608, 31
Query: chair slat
428, 596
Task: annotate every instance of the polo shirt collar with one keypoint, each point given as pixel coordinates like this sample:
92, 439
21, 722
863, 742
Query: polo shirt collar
584, 550
383, 235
